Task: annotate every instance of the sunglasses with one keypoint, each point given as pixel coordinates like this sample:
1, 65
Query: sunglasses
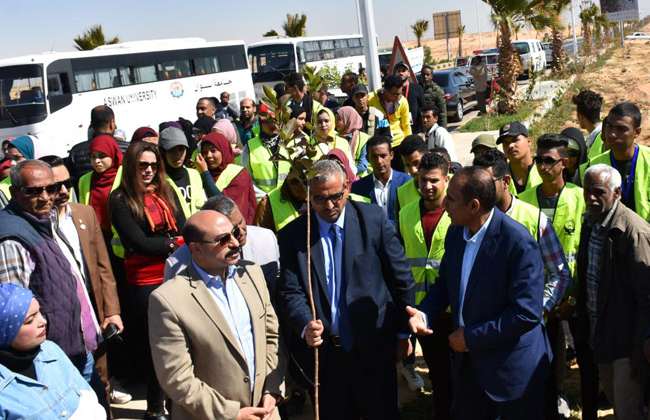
334, 198
144, 165
68, 184
36, 191
547, 161
574, 153
224, 239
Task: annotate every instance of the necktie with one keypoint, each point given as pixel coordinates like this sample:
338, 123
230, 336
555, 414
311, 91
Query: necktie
345, 328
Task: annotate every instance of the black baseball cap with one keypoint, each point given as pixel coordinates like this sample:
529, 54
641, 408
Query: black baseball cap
359, 88
512, 129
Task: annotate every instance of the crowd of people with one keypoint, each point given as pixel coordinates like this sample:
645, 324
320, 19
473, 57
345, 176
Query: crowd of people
181, 259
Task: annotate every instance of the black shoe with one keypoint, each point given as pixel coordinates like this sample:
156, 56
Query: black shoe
158, 416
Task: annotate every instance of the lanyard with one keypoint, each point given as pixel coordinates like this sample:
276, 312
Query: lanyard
407, 90
630, 179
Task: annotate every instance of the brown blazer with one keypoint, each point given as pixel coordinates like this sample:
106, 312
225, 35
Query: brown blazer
197, 356
97, 260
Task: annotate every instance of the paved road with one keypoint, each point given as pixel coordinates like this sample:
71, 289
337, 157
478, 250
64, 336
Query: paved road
568, 45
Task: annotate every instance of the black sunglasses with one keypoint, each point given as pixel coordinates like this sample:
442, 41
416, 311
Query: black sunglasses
224, 239
35, 191
67, 183
547, 161
574, 153
144, 165
334, 198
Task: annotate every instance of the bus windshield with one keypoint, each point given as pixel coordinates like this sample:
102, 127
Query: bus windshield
271, 62
21, 92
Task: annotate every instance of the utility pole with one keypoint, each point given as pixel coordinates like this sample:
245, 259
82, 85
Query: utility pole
367, 17
478, 20
359, 28
573, 26
447, 31
622, 34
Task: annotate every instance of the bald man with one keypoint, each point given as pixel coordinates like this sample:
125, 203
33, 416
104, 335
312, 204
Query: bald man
214, 333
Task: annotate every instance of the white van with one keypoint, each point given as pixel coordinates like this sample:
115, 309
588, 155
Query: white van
533, 56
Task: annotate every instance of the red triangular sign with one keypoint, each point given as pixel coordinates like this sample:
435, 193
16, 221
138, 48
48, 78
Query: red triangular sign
400, 55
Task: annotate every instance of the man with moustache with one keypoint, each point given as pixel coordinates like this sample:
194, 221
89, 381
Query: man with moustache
248, 124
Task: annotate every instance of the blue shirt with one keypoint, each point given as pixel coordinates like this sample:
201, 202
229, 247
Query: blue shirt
469, 256
328, 254
234, 308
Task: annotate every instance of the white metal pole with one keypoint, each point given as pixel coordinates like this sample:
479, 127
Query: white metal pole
622, 34
478, 20
573, 26
359, 27
370, 44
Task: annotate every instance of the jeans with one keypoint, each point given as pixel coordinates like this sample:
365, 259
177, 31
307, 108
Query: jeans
85, 364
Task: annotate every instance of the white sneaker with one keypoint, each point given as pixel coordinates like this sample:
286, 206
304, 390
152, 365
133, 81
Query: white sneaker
563, 406
119, 395
413, 380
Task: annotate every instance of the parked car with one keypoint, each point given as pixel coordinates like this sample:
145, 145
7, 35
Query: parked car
638, 35
460, 92
491, 60
461, 62
548, 49
532, 54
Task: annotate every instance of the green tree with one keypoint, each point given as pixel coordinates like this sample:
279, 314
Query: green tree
558, 53
295, 26
506, 15
588, 15
92, 38
419, 28
461, 32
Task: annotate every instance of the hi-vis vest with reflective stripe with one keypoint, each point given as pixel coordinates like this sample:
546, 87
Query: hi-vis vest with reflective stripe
528, 216
228, 175
532, 181
641, 178
361, 143
283, 211
407, 194
597, 147
339, 143
267, 175
198, 197
4, 187
425, 264
567, 220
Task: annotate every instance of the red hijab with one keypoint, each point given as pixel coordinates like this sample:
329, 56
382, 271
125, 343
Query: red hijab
101, 184
221, 143
342, 157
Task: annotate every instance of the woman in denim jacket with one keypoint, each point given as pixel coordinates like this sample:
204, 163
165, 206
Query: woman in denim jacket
37, 380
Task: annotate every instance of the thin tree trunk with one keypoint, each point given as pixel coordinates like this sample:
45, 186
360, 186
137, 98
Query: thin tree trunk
559, 56
311, 302
509, 71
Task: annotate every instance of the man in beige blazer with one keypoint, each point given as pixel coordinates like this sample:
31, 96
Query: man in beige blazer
215, 342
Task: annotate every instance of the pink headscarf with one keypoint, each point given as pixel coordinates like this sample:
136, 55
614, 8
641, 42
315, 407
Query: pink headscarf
342, 157
226, 128
353, 123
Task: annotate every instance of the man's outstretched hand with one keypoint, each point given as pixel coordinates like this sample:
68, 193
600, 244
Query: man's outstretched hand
416, 322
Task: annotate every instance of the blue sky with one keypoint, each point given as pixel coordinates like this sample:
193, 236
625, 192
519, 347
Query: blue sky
37, 25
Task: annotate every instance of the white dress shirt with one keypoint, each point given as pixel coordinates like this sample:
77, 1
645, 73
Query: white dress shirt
382, 191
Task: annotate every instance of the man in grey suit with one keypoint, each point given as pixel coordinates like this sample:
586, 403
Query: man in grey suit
258, 245
214, 333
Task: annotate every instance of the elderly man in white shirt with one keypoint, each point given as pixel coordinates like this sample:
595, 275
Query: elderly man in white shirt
437, 136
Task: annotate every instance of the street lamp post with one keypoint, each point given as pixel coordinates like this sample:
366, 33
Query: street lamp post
573, 26
370, 43
478, 20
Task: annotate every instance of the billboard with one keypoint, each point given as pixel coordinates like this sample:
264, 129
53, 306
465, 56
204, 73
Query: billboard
620, 10
446, 21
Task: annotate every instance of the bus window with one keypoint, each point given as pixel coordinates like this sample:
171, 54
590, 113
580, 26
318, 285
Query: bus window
175, 69
312, 51
271, 62
21, 93
87, 80
327, 50
57, 84
355, 46
126, 76
342, 48
206, 65
145, 74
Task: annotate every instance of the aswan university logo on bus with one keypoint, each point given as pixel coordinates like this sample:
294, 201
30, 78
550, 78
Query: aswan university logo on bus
128, 98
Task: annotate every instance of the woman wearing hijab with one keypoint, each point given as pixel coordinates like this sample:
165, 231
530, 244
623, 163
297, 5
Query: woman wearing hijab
231, 179
148, 218
21, 148
577, 152
202, 127
348, 125
300, 115
229, 131
38, 379
326, 137
147, 134
342, 159
95, 187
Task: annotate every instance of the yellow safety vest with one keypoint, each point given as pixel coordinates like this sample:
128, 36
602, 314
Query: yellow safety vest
4, 187
407, 193
84, 185
567, 220
228, 175
198, 197
362, 140
532, 181
641, 178
339, 143
425, 264
528, 216
596, 147
358, 198
283, 211
266, 174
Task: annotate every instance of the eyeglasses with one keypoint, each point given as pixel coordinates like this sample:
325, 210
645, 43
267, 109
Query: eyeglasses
334, 198
36, 191
547, 161
224, 239
68, 184
574, 153
144, 165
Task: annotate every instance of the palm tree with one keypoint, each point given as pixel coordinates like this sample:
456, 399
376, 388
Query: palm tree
295, 26
505, 15
461, 32
558, 54
587, 18
419, 28
92, 38
600, 23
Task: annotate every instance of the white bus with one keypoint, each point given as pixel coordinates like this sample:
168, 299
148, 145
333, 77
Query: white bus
50, 95
271, 60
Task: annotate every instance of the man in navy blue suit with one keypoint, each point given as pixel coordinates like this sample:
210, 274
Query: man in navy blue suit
492, 276
361, 285
382, 184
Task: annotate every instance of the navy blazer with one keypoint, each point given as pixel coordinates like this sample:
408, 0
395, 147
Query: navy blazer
366, 187
379, 283
502, 309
